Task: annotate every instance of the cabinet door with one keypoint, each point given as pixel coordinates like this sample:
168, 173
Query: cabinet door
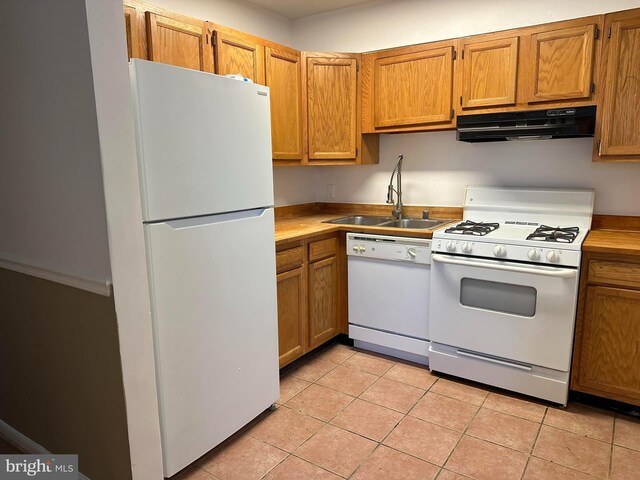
237, 55
620, 107
561, 63
489, 73
291, 315
331, 107
609, 360
135, 33
414, 88
178, 42
283, 80
323, 301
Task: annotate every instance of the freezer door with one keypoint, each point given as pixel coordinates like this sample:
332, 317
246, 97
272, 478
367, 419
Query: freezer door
213, 283
204, 142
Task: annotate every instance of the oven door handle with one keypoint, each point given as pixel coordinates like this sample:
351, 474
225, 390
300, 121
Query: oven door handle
462, 353
559, 273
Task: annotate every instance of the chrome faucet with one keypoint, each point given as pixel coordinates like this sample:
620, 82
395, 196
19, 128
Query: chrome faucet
397, 205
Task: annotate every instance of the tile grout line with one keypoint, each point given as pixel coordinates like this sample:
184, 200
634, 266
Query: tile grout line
562, 430
404, 415
530, 454
613, 439
464, 431
407, 414
338, 413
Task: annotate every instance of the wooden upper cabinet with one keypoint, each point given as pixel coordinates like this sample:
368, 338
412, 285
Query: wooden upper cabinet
234, 54
178, 41
135, 32
283, 77
619, 111
331, 87
413, 88
561, 63
489, 72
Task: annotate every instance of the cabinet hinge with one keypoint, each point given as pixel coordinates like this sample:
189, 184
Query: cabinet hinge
357, 67
460, 99
609, 33
214, 38
598, 147
452, 113
455, 54
356, 152
207, 37
462, 54
596, 33
593, 87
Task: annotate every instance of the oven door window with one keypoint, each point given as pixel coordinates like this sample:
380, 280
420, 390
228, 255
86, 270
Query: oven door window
498, 297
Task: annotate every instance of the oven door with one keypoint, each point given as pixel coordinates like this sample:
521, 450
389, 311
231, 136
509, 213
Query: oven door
504, 309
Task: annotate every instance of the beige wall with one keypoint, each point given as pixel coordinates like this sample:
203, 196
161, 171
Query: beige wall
391, 23
437, 168
61, 376
240, 15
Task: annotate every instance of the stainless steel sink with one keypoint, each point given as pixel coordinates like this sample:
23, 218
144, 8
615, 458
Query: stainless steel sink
414, 223
369, 220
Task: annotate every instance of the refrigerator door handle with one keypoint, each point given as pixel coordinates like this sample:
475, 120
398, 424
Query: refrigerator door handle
218, 218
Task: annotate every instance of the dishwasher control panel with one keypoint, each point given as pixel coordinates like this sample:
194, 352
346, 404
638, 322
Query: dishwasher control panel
415, 250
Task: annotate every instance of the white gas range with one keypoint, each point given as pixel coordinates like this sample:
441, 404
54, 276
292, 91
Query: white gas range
504, 288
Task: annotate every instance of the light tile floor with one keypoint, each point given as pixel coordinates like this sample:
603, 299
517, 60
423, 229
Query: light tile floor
346, 413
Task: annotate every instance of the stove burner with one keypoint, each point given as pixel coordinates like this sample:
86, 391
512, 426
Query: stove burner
473, 228
554, 234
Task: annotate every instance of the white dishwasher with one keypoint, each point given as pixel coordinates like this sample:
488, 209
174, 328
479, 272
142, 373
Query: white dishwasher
389, 294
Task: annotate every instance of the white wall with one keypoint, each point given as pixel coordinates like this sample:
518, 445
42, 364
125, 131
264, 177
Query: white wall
293, 185
126, 239
52, 210
437, 168
391, 23
235, 14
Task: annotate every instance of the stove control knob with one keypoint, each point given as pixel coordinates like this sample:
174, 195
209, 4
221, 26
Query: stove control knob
499, 251
451, 247
411, 253
553, 256
533, 254
466, 247
356, 248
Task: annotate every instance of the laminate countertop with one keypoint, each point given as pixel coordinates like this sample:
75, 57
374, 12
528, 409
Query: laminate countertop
612, 241
306, 226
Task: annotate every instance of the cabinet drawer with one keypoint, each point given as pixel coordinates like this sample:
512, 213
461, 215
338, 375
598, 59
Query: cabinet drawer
614, 273
290, 258
322, 249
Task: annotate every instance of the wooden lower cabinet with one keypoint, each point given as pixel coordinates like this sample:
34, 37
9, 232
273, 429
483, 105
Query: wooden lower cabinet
606, 359
309, 301
323, 304
292, 318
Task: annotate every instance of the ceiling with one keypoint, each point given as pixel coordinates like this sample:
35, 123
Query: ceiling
293, 9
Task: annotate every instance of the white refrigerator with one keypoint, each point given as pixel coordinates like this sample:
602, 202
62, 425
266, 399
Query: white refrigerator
204, 157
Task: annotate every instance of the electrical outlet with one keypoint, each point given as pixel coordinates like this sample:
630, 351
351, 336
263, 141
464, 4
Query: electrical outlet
331, 191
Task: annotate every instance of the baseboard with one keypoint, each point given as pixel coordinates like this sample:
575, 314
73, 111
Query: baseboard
24, 443
101, 287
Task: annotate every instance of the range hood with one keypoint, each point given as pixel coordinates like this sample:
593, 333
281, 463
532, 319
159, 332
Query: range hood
527, 125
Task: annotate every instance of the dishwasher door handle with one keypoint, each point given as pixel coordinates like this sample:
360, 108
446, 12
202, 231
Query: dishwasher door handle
557, 273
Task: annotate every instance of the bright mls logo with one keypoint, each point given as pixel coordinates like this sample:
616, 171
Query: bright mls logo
51, 467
